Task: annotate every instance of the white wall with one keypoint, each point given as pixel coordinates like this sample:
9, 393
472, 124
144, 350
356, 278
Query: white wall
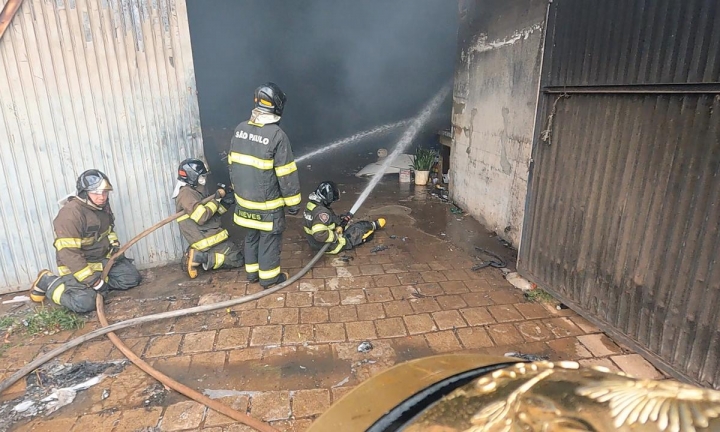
495, 98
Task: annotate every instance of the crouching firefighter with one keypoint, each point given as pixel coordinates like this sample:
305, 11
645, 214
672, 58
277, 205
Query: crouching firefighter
265, 179
84, 241
323, 226
201, 225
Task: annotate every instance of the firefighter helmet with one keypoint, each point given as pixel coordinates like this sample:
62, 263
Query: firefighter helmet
92, 181
270, 99
190, 171
327, 192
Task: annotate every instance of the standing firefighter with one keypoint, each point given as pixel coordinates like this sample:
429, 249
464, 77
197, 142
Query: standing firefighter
265, 179
323, 226
201, 225
84, 241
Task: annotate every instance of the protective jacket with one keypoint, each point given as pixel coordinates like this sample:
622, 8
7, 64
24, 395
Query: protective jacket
264, 176
322, 226
201, 225
83, 234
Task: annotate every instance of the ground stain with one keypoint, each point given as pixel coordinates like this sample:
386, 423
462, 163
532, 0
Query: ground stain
304, 368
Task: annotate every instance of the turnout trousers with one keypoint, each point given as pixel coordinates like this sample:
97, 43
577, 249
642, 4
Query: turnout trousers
263, 247
227, 254
68, 292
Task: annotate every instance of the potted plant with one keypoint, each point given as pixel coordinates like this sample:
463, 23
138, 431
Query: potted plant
422, 161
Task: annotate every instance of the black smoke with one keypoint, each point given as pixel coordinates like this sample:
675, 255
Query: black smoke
346, 65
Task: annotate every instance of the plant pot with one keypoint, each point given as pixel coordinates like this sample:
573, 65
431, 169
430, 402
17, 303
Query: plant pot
421, 177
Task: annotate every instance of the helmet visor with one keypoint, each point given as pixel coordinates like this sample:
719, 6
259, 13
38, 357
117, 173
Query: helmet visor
98, 184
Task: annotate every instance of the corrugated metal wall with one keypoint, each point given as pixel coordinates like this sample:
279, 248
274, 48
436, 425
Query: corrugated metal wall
623, 219
105, 84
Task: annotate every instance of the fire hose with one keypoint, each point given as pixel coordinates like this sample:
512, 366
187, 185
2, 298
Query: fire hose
109, 329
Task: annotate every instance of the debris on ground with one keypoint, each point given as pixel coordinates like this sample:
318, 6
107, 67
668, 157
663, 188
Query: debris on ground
346, 259
17, 299
365, 347
379, 248
393, 236
520, 282
456, 210
488, 259
504, 242
527, 357
154, 395
53, 386
441, 195
561, 306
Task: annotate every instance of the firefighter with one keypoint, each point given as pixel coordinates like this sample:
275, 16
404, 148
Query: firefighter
322, 225
201, 225
265, 179
84, 241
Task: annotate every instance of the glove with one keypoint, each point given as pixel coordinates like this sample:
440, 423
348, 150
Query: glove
219, 194
292, 211
339, 230
228, 189
346, 217
96, 284
114, 247
228, 200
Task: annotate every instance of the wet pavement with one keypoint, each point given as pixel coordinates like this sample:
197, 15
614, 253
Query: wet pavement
286, 357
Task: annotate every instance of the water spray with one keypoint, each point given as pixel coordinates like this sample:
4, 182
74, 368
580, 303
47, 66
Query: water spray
376, 131
405, 140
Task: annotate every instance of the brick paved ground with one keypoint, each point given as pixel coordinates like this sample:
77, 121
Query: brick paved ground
287, 357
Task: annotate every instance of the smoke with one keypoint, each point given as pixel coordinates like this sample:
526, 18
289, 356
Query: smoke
346, 65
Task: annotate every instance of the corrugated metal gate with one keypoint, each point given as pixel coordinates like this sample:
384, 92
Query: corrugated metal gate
105, 84
623, 213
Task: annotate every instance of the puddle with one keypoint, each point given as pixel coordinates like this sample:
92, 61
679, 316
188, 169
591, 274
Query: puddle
302, 369
406, 352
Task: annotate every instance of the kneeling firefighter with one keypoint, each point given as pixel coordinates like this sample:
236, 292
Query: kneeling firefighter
201, 225
84, 241
323, 226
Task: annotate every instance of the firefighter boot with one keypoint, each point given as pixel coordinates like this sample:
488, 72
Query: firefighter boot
379, 223
43, 281
376, 225
280, 279
192, 260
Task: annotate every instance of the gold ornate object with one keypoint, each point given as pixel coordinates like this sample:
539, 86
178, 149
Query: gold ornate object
550, 397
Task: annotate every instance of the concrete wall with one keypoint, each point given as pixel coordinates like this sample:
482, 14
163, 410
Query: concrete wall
494, 102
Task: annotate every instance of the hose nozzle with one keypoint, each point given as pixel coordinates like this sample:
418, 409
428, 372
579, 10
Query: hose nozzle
346, 218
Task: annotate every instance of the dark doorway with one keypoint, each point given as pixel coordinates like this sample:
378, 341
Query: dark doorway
345, 65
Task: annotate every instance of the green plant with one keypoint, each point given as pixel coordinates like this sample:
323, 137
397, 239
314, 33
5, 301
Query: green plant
6, 322
52, 320
540, 296
423, 159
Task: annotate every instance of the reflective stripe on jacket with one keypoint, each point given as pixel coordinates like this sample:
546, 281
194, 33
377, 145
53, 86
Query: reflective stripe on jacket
82, 239
319, 224
201, 225
263, 171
